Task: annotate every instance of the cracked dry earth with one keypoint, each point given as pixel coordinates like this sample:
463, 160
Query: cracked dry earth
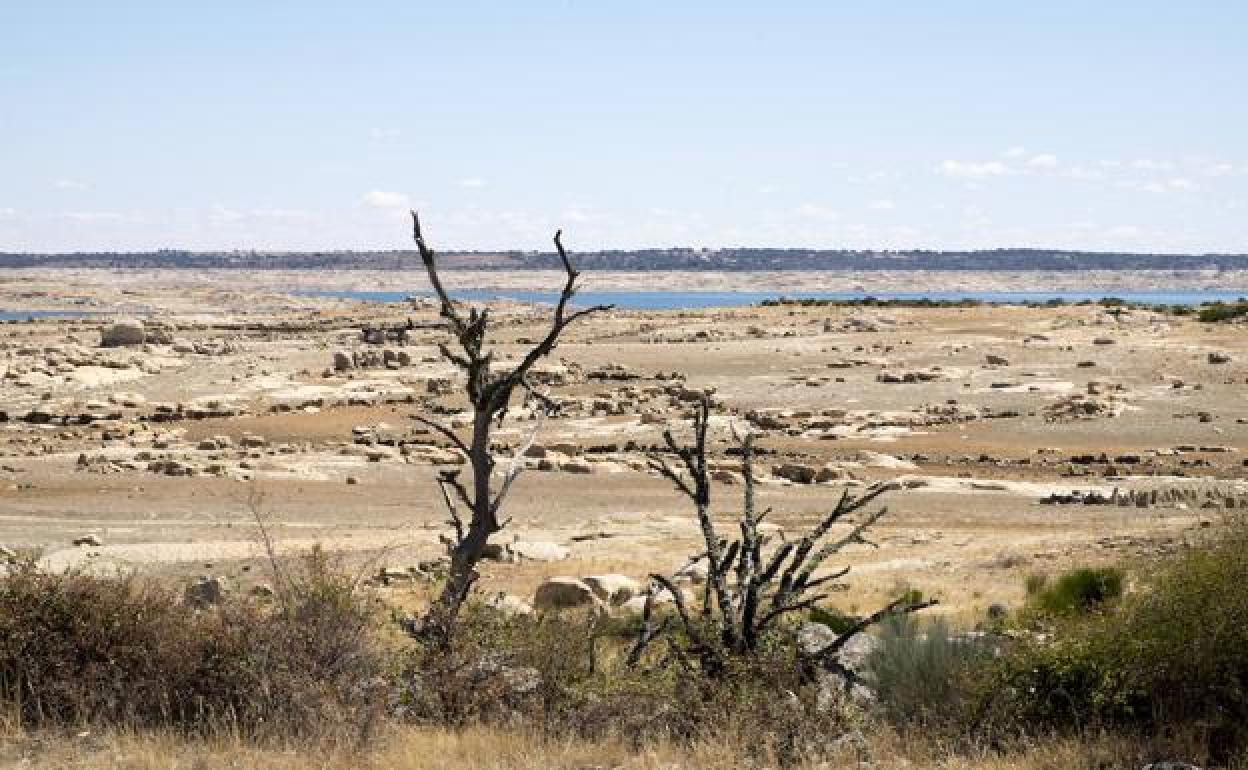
1026, 439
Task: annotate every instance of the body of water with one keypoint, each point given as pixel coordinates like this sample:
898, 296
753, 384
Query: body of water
26, 315
688, 300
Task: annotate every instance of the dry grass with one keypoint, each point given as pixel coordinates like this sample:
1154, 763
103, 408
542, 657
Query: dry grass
484, 749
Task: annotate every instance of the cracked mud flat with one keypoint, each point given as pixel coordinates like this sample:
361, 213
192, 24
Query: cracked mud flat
163, 449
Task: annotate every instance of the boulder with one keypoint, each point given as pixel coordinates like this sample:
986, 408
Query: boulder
613, 589
695, 573
342, 361
993, 360
998, 611
262, 591
93, 541
205, 592
637, 604
509, 605
538, 550
563, 593
158, 335
801, 474
881, 460
832, 472
813, 637
123, 334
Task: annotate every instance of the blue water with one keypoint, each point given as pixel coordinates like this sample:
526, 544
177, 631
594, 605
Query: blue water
26, 315
688, 300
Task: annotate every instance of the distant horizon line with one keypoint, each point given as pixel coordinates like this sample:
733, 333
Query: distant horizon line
637, 250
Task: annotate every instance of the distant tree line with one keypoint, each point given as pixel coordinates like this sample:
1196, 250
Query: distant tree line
646, 259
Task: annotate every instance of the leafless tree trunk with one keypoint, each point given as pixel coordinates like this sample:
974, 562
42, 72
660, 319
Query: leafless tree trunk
489, 392
748, 587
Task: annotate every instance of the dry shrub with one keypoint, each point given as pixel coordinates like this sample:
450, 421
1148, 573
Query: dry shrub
568, 678
79, 649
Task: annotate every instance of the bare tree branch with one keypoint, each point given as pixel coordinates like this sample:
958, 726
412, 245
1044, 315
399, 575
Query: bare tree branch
489, 393
747, 590
445, 431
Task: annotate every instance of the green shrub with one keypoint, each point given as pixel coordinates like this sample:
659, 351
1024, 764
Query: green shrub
1078, 591
923, 673
1170, 658
834, 619
1214, 312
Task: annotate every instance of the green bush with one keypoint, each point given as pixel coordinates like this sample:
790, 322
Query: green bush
923, 673
1078, 591
1222, 311
838, 621
1170, 658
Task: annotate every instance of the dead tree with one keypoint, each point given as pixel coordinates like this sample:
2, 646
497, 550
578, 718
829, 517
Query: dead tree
750, 586
489, 390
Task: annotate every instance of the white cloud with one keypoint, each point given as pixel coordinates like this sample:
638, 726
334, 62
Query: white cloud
1045, 160
576, 215
224, 215
472, 182
69, 184
1124, 232
272, 213
1081, 172
381, 199
1219, 169
1177, 184
871, 177
816, 211
1014, 152
93, 216
972, 169
1148, 164
384, 133
884, 205
7, 213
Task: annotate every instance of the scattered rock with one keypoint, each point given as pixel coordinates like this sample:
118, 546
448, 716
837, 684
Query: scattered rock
206, 591
123, 334
538, 550
881, 460
509, 605
695, 573
613, 589
801, 474
562, 593
262, 591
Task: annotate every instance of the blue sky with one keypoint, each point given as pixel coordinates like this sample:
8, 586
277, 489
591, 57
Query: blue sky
1106, 125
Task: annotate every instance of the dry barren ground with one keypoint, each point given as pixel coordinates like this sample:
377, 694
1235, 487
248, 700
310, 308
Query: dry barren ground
166, 450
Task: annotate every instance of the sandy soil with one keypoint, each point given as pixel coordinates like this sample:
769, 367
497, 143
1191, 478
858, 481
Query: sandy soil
167, 451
